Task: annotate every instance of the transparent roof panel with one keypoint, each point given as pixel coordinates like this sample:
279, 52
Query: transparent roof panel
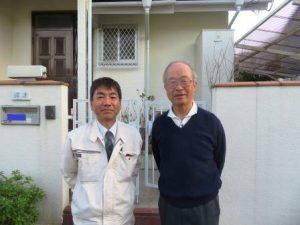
273, 46
286, 48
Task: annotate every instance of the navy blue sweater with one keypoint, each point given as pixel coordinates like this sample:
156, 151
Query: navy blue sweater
190, 159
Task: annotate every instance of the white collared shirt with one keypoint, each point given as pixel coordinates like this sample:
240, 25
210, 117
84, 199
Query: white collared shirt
178, 121
103, 130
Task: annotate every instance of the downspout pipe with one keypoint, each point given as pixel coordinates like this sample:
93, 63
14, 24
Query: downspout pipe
147, 6
238, 6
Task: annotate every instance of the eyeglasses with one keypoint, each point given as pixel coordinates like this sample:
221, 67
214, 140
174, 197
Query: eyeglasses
173, 83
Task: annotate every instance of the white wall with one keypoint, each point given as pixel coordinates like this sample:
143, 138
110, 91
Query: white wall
132, 78
5, 36
36, 150
261, 182
172, 37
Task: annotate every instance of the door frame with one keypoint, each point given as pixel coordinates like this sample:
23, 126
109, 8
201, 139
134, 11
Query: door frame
73, 27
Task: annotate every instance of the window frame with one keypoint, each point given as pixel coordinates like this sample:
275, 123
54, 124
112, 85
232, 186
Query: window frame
126, 63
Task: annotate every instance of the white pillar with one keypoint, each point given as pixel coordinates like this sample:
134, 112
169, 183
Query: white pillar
82, 56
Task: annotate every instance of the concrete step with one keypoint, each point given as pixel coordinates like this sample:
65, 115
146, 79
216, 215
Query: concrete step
143, 216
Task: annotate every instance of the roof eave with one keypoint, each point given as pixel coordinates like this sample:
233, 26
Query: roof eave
172, 6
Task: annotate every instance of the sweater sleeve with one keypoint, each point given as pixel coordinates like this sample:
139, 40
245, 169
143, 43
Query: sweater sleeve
220, 150
155, 149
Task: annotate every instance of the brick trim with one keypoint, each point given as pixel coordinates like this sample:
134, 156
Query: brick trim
258, 84
38, 82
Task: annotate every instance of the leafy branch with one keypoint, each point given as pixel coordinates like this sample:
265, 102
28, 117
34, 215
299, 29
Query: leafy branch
18, 198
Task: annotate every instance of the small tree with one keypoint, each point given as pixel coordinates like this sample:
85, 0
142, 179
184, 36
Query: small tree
18, 198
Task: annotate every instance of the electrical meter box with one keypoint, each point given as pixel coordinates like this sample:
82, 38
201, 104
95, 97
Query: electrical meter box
20, 115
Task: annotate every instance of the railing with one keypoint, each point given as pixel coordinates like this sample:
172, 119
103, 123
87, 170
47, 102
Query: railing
80, 112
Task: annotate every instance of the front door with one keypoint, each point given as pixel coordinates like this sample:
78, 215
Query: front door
54, 50
53, 47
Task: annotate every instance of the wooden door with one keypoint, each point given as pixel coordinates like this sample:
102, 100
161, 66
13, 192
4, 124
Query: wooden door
54, 50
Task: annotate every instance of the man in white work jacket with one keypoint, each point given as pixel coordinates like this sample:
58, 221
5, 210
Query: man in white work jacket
102, 180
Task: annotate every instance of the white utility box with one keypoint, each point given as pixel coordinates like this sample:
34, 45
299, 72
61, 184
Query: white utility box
214, 61
26, 71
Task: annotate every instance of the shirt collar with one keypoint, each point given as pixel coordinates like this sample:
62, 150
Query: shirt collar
103, 130
192, 112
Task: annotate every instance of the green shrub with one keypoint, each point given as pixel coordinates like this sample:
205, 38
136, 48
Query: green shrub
18, 198
247, 76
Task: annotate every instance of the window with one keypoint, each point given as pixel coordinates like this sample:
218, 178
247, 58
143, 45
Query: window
117, 45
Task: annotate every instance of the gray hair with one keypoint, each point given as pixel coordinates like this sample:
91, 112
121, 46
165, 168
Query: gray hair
194, 74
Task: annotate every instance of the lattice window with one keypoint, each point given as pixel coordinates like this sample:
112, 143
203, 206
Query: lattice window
117, 45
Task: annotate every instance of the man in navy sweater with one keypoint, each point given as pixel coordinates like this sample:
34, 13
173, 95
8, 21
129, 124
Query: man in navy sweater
189, 147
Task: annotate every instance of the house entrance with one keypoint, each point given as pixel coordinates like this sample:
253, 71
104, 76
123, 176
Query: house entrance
54, 37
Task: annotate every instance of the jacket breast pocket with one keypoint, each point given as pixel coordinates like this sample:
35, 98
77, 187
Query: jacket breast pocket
128, 165
90, 168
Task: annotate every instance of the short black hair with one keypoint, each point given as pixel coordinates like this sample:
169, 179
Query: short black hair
105, 82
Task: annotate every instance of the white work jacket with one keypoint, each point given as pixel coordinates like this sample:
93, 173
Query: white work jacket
103, 192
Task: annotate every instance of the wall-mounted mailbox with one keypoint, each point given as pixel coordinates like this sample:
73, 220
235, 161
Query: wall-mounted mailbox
20, 115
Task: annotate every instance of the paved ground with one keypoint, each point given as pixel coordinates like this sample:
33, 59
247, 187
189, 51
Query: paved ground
148, 197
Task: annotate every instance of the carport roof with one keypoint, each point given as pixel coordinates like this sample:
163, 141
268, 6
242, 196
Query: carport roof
272, 48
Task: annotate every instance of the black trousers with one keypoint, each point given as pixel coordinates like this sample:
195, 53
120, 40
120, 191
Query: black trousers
207, 214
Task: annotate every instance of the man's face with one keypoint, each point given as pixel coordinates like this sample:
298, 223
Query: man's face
106, 104
179, 85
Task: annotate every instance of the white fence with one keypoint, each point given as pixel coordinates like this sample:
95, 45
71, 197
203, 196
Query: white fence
131, 112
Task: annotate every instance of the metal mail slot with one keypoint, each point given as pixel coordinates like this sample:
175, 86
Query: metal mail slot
20, 115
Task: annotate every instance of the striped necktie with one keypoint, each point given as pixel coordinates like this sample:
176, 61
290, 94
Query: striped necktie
109, 143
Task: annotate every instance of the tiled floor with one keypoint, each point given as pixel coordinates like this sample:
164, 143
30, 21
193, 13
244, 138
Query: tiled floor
148, 197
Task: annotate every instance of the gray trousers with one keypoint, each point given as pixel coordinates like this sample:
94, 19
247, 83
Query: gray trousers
207, 214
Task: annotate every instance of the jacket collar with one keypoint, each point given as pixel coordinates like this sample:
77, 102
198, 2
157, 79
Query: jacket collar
94, 132
121, 132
